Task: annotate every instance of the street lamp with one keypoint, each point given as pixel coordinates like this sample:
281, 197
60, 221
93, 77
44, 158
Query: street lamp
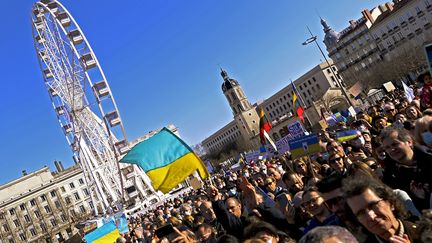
313, 38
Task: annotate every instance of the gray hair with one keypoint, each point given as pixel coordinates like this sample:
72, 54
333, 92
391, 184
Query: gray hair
320, 234
402, 134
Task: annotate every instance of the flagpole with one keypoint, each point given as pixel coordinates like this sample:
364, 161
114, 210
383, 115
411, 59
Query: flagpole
302, 101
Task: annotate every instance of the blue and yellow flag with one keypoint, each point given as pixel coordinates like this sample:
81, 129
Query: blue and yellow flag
106, 233
344, 136
166, 159
304, 146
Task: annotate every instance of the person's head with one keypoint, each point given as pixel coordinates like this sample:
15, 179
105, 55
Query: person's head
398, 144
357, 142
334, 146
204, 232
270, 184
373, 111
374, 205
234, 206
300, 166
120, 239
361, 170
424, 78
226, 238
389, 110
367, 136
259, 180
363, 115
186, 209
313, 202
379, 122
206, 211
412, 112
328, 234
263, 231
336, 161
423, 131
400, 117
330, 188
293, 181
274, 173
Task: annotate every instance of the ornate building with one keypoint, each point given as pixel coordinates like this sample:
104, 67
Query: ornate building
316, 84
44, 206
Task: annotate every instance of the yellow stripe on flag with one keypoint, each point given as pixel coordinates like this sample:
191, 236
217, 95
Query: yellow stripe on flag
167, 177
109, 238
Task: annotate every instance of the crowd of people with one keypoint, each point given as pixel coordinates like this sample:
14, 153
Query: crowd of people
375, 187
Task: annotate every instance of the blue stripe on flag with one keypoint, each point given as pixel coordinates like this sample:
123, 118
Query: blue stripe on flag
100, 232
157, 151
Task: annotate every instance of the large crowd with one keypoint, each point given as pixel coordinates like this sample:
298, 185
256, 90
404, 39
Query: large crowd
375, 187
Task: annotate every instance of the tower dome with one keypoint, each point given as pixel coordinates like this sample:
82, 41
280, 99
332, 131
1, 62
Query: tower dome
331, 36
228, 83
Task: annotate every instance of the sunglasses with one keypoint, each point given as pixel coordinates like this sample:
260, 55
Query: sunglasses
332, 161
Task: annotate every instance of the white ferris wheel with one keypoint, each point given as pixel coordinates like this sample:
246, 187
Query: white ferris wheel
82, 99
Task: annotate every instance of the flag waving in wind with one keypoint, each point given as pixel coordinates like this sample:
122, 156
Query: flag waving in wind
166, 159
296, 104
265, 127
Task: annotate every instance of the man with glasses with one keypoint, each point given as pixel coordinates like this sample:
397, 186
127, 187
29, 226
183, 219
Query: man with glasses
390, 111
377, 208
313, 202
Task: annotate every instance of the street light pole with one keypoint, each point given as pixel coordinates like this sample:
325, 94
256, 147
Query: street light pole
313, 38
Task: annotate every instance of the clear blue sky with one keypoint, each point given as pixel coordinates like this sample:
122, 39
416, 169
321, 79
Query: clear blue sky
162, 61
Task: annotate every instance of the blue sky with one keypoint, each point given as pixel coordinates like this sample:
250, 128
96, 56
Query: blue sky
161, 59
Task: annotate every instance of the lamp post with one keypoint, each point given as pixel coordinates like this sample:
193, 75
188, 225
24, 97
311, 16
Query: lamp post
313, 38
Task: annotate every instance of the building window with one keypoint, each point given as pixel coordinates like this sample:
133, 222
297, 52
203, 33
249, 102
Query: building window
309, 82
62, 189
16, 223
22, 207
73, 213
53, 194
6, 228
27, 218
91, 205
318, 86
47, 209
63, 218
328, 70
22, 237
43, 227
37, 214
57, 204
11, 241
82, 209
12, 211
33, 202
81, 181
33, 232
313, 78
43, 198
332, 78
72, 185
53, 222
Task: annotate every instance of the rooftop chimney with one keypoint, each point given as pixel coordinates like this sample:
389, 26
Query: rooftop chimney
24, 172
57, 166
368, 16
61, 166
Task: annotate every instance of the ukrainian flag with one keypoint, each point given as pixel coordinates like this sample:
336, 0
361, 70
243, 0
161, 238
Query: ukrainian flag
106, 233
166, 159
343, 136
304, 146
